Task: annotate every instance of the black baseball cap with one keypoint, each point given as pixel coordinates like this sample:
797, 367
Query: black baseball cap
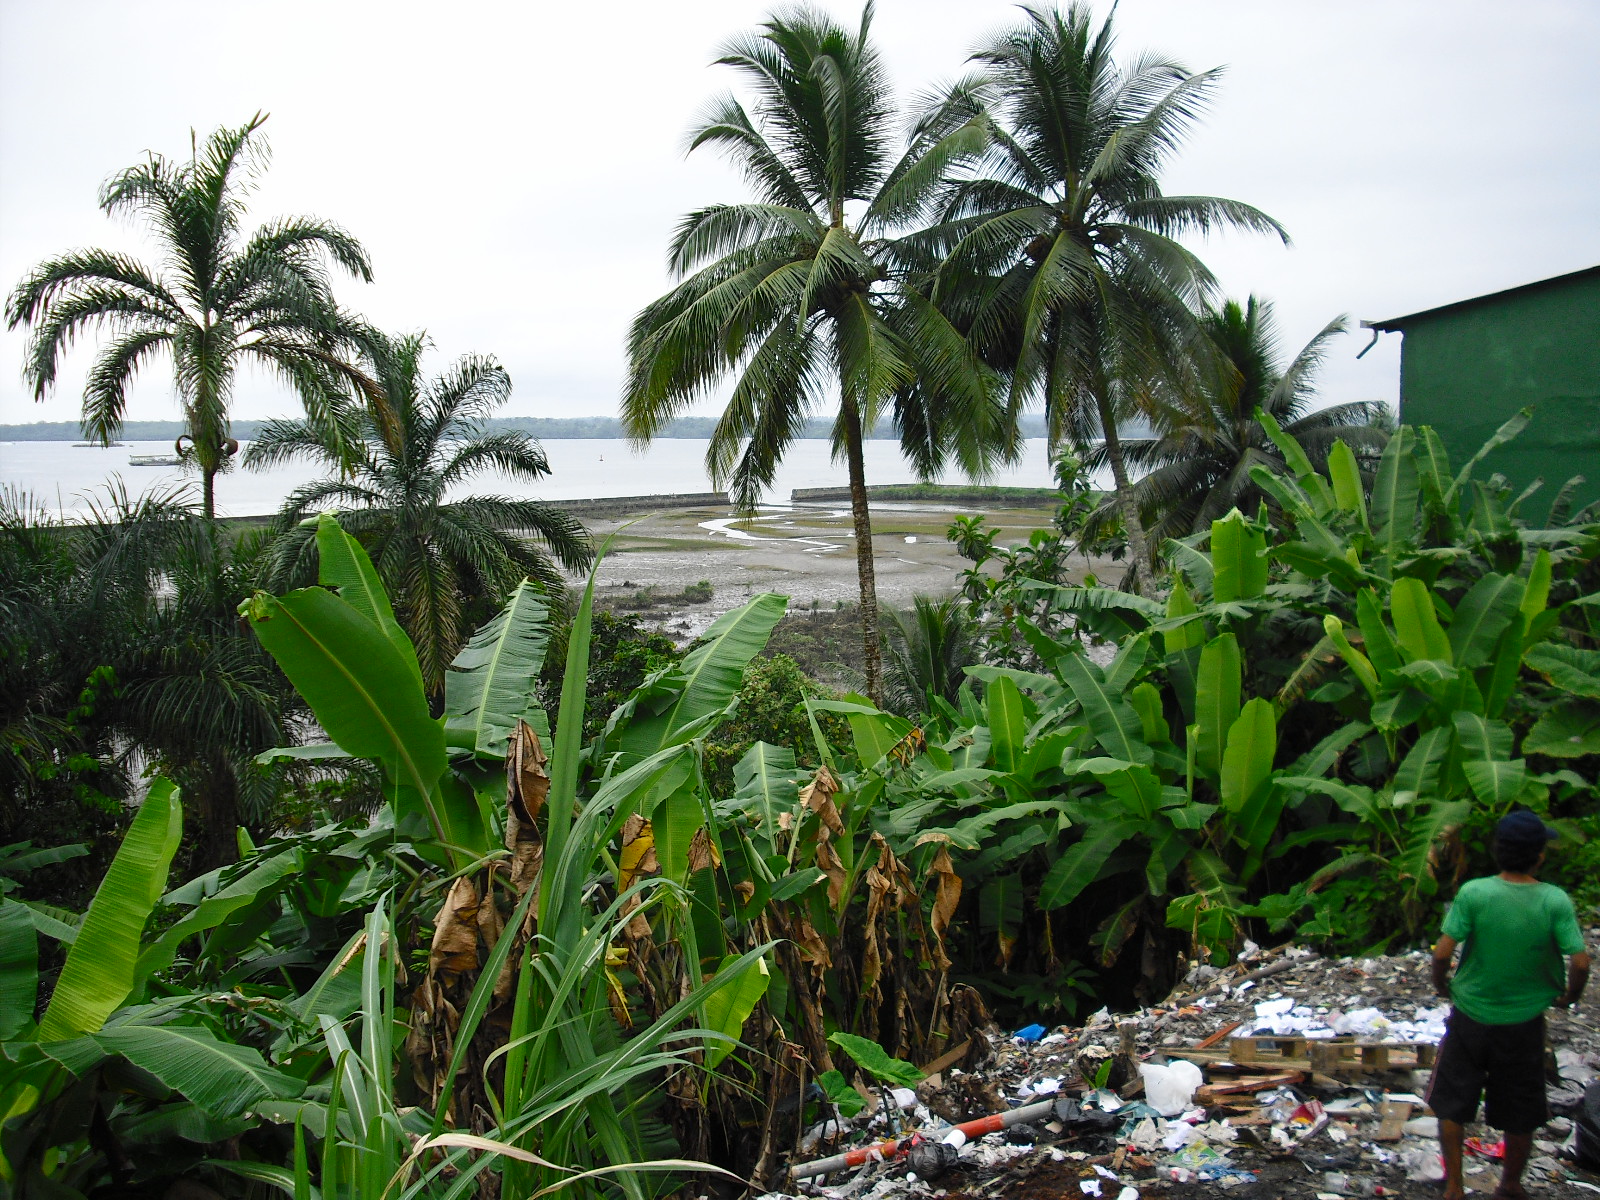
1525, 828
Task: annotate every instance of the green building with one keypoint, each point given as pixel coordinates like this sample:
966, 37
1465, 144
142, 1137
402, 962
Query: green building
1467, 367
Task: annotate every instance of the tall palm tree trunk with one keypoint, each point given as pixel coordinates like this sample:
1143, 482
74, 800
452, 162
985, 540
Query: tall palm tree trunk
208, 492
871, 647
1138, 544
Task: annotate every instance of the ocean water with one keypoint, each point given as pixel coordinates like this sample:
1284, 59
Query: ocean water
72, 480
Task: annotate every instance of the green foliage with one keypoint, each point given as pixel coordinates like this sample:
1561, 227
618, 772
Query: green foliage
394, 462
876, 1062
770, 709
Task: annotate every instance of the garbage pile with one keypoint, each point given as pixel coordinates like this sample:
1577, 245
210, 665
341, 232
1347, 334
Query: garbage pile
1284, 1075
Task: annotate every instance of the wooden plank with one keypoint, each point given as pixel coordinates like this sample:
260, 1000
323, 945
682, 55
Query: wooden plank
1393, 1115
948, 1058
1252, 1083
1216, 1037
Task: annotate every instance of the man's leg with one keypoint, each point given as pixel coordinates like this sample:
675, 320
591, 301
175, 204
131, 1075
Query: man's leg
1518, 1147
1451, 1135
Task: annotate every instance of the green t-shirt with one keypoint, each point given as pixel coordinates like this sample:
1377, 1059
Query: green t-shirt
1512, 938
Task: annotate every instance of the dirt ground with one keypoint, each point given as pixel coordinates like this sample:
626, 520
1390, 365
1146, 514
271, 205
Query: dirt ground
805, 552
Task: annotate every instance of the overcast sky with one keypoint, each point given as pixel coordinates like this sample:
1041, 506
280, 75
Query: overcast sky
515, 169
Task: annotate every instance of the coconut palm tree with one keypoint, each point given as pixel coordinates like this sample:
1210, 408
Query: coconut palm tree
395, 459
219, 299
798, 295
1208, 439
1058, 251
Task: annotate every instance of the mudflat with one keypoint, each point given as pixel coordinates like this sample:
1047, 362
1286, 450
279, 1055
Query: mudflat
804, 551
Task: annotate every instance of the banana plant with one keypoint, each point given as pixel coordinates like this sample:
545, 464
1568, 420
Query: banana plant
99, 1053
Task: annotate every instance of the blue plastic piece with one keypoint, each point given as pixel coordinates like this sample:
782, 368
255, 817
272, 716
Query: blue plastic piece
1029, 1033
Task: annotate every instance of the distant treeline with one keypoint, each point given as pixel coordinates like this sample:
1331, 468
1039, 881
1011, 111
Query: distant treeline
547, 428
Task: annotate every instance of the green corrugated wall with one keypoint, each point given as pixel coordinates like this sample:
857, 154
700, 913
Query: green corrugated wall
1465, 371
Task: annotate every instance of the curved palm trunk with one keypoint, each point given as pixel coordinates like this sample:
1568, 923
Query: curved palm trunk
871, 647
1138, 544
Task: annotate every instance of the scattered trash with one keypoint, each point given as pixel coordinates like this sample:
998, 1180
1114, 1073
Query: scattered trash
1302, 1075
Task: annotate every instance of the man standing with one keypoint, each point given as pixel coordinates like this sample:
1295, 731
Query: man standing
1513, 931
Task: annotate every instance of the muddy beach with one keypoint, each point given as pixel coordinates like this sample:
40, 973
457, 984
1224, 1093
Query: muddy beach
803, 551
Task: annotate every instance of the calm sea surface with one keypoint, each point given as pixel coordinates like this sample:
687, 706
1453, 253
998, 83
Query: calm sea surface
68, 479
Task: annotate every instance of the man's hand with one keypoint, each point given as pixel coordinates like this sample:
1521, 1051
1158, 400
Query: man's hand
1443, 952
1577, 980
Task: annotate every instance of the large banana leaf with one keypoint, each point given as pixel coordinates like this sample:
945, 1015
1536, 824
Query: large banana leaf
365, 693
19, 970
100, 969
1421, 832
706, 680
1348, 492
1495, 782
1418, 773
343, 564
1375, 636
1394, 493
1112, 720
1077, 868
1238, 559
1178, 634
223, 1078
1216, 699
1416, 624
1482, 616
766, 785
1433, 464
1299, 462
489, 686
730, 1006
1247, 761
1007, 724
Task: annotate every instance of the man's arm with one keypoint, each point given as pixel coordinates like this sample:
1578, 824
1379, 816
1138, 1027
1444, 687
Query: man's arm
1577, 979
1443, 951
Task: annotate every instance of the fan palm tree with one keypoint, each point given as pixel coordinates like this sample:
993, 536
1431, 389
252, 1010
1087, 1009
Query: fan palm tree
798, 295
395, 460
1198, 463
219, 300
1058, 250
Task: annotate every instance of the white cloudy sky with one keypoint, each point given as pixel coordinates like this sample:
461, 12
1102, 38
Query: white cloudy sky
515, 168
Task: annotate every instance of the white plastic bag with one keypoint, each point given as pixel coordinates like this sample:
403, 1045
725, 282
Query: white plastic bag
1169, 1089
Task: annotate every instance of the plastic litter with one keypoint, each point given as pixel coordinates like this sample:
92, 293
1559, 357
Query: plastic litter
1029, 1033
929, 1160
1169, 1089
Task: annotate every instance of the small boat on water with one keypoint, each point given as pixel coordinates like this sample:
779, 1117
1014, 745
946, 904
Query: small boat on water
154, 460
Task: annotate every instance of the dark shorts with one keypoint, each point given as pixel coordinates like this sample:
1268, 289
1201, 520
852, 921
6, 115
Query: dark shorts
1501, 1064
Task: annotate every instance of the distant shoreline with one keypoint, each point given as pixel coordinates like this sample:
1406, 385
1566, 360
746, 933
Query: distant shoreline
545, 428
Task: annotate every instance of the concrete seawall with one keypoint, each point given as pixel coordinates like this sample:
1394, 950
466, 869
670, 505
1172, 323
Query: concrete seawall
612, 505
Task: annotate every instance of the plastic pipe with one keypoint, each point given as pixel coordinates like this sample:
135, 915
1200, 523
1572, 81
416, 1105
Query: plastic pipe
883, 1151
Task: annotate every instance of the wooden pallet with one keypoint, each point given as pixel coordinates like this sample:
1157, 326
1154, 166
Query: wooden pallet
1336, 1057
